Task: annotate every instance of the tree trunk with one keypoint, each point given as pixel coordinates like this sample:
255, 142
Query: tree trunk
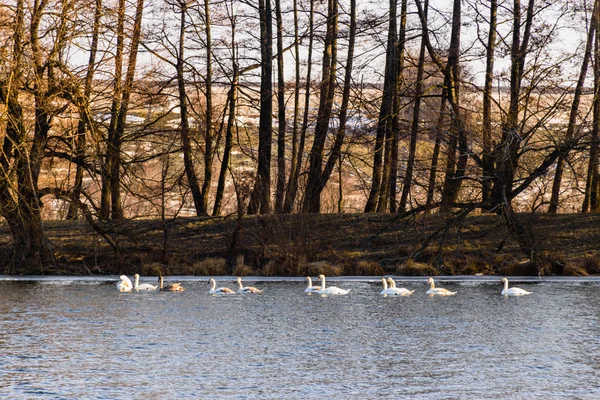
488, 160
397, 103
115, 173
336, 151
232, 99
591, 200
454, 167
340, 186
30, 245
385, 113
292, 187
208, 134
406, 186
384, 190
85, 120
294, 159
554, 200
260, 198
112, 152
186, 142
280, 190
312, 198
506, 153
439, 126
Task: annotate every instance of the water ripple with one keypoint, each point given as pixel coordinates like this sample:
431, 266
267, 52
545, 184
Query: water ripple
89, 341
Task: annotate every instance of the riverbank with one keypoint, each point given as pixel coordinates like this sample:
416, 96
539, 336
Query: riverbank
465, 280
298, 245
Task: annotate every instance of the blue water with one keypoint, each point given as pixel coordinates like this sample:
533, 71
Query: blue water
74, 338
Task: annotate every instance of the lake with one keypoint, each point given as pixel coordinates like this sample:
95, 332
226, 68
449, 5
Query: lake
81, 338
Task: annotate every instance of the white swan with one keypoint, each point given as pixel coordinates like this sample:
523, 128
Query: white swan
143, 286
398, 291
215, 290
171, 287
386, 291
513, 291
125, 284
331, 289
246, 289
438, 291
310, 288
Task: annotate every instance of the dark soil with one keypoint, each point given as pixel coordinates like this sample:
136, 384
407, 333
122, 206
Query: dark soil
295, 245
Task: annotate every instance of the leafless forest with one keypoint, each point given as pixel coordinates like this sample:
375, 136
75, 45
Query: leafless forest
118, 110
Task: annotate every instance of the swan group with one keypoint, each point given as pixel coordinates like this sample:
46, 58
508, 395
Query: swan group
389, 287
392, 290
310, 288
323, 289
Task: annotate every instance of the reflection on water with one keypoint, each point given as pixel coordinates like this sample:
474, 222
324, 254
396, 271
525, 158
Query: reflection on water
84, 339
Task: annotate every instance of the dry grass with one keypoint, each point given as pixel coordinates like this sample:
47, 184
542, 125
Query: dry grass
209, 267
322, 268
591, 264
414, 268
241, 269
369, 268
574, 270
522, 268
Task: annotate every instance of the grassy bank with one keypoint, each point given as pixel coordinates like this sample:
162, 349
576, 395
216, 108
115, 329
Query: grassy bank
298, 245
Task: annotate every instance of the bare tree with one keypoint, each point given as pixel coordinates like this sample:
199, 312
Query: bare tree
336, 151
231, 121
455, 169
384, 123
487, 158
391, 120
112, 144
558, 174
397, 106
312, 198
208, 134
186, 141
412, 147
591, 201
280, 190
85, 119
296, 163
115, 173
260, 198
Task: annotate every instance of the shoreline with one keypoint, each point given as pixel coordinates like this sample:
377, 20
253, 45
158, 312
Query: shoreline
300, 245
476, 279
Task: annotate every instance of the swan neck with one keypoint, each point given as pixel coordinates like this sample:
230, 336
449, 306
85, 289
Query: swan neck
323, 283
506, 285
239, 281
385, 286
160, 282
432, 284
309, 281
213, 284
136, 282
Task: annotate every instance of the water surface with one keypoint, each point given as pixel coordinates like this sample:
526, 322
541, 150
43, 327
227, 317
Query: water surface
75, 338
